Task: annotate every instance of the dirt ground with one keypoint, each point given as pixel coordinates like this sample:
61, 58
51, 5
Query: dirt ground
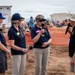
58, 63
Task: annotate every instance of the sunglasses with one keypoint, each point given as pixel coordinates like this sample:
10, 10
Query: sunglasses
42, 20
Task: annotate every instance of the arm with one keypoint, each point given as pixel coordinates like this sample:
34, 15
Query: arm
47, 43
16, 47
70, 30
11, 42
73, 60
2, 47
36, 38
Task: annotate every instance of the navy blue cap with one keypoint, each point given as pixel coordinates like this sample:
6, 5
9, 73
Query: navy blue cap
1, 17
16, 16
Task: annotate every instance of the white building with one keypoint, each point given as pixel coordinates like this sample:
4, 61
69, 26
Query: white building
61, 16
6, 12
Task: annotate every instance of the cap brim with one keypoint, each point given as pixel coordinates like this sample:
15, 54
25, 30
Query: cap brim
44, 19
72, 19
2, 17
22, 18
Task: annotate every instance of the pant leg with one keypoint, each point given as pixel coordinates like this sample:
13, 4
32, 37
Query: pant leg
16, 60
45, 60
22, 66
3, 62
72, 68
38, 61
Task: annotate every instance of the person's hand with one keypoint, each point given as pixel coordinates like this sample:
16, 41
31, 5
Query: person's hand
72, 61
42, 31
26, 50
8, 54
44, 44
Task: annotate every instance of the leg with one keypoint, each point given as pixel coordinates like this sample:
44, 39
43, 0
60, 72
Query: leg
74, 68
38, 60
45, 60
3, 63
16, 60
22, 66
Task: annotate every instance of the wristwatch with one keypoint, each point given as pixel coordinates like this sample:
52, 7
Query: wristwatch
23, 50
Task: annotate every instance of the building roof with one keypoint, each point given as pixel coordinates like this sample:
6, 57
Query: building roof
62, 14
5, 5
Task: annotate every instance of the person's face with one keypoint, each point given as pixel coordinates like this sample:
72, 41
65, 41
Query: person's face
40, 22
72, 23
17, 22
0, 21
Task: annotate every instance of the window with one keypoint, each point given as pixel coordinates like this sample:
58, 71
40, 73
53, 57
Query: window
0, 8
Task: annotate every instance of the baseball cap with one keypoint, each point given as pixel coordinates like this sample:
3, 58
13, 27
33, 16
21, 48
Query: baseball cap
1, 17
17, 16
72, 18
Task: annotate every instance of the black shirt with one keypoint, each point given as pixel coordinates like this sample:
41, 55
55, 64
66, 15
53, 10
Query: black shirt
2, 39
72, 43
15, 35
44, 38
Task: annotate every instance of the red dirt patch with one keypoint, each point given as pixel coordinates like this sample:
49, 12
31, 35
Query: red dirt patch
59, 61
57, 34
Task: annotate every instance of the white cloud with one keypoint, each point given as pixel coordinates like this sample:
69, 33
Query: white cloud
34, 7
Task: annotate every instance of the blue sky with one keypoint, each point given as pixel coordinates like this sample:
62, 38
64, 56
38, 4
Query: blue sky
29, 8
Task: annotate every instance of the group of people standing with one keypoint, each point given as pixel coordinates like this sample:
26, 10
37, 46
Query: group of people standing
40, 37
